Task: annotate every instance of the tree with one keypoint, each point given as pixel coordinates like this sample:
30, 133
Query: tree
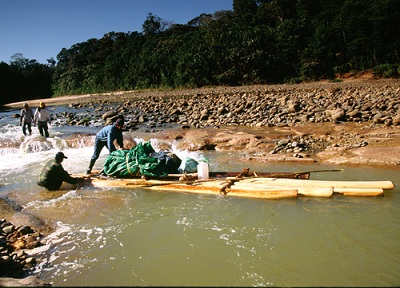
18, 60
154, 25
24, 79
200, 20
244, 10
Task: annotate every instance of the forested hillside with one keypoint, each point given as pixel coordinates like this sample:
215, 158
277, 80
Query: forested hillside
259, 41
25, 79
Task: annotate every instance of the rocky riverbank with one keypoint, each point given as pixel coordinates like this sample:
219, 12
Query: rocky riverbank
14, 261
348, 123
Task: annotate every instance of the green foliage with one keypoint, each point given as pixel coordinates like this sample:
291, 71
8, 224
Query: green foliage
259, 41
387, 71
24, 79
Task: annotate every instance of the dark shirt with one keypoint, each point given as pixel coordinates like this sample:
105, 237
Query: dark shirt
53, 175
108, 134
26, 115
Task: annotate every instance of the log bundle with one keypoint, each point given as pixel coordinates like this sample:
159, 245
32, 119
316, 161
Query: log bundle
253, 187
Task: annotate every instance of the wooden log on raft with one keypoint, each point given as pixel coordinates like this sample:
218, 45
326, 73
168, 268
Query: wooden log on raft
214, 187
98, 182
315, 192
302, 191
273, 193
288, 175
275, 182
278, 193
359, 191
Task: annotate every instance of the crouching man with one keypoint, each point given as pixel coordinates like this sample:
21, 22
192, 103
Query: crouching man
53, 174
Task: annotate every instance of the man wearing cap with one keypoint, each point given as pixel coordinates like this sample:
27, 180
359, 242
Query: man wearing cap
42, 116
53, 174
26, 119
106, 137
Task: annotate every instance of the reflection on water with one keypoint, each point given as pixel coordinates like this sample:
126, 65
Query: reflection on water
118, 237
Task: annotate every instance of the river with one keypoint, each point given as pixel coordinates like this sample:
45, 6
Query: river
121, 237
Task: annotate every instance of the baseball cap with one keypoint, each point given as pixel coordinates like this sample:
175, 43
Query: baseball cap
61, 155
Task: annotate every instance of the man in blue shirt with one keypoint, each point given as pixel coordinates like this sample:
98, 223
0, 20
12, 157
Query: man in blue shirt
106, 137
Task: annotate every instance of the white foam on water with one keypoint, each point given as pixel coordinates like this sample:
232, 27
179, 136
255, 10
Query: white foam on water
61, 253
37, 204
51, 240
30, 149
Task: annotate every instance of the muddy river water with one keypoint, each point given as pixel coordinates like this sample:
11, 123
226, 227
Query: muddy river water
122, 237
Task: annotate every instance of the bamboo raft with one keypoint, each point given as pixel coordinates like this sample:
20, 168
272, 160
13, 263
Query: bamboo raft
266, 185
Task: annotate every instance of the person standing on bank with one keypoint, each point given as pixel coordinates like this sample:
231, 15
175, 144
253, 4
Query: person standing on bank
42, 116
106, 137
26, 119
53, 174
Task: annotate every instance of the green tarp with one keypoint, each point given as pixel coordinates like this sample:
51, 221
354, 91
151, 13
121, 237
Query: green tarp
140, 160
